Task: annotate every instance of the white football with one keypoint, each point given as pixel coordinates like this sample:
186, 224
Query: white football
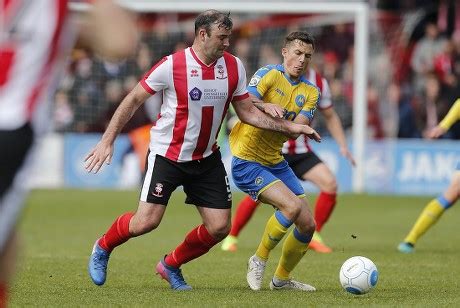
358, 275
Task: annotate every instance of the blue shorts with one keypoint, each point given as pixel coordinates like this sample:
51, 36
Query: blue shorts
253, 178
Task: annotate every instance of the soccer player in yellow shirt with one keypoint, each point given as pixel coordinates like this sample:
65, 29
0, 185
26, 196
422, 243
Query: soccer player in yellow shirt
259, 169
436, 207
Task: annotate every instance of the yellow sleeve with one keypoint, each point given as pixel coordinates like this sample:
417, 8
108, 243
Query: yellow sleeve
309, 108
452, 116
261, 82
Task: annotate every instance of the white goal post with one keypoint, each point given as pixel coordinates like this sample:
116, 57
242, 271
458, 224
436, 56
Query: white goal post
360, 13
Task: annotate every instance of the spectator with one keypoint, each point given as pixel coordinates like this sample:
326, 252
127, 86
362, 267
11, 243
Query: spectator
63, 113
424, 54
341, 106
374, 122
338, 40
431, 107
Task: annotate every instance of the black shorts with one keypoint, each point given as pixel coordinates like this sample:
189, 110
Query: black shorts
15, 161
205, 181
14, 145
301, 163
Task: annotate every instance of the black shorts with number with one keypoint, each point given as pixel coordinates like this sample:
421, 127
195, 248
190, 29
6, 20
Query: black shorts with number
205, 181
301, 163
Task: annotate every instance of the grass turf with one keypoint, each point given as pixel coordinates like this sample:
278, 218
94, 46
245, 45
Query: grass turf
59, 227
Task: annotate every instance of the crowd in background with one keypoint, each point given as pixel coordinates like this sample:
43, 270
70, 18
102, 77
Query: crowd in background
414, 67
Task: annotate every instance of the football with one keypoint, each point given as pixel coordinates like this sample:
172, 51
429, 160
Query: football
358, 275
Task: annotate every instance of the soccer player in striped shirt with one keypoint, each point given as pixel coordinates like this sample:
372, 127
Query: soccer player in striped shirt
197, 85
436, 207
35, 37
259, 169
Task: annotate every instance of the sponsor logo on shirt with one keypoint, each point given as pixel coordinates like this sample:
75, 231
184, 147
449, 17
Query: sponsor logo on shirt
195, 94
194, 73
279, 92
214, 94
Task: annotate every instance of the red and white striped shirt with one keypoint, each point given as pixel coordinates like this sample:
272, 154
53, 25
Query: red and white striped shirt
31, 41
195, 98
300, 145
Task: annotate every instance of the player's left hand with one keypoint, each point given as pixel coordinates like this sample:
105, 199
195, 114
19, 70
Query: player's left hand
347, 154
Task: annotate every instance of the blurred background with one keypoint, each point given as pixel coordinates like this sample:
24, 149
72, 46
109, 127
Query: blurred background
410, 78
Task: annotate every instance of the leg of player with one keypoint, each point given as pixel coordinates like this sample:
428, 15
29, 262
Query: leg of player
147, 217
431, 213
243, 214
322, 177
289, 206
7, 266
215, 227
294, 248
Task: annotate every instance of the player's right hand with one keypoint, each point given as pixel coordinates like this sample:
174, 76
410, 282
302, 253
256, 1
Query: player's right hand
274, 110
101, 154
435, 132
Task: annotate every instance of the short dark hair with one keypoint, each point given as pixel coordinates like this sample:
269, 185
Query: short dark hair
303, 36
208, 18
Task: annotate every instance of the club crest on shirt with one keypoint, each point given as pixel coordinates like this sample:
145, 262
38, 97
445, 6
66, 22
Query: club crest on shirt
254, 81
259, 180
300, 100
221, 72
195, 94
158, 190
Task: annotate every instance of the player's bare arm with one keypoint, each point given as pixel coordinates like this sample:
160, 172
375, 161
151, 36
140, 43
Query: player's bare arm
334, 125
250, 114
103, 151
108, 30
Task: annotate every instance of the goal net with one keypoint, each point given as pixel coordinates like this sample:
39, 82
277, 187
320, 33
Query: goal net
94, 87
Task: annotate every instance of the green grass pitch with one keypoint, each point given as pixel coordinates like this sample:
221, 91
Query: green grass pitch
59, 227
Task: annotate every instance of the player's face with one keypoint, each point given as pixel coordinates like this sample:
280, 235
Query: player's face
296, 57
217, 42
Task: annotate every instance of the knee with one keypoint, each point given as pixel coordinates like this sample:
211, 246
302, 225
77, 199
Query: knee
330, 185
307, 227
143, 224
311, 226
220, 230
293, 210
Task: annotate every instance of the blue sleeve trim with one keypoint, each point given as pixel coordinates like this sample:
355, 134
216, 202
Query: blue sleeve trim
261, 72
282, 219
308, 114
302, 237
444, 202
253, 91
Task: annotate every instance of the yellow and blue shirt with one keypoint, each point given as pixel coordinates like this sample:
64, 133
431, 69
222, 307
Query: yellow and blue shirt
272, 85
